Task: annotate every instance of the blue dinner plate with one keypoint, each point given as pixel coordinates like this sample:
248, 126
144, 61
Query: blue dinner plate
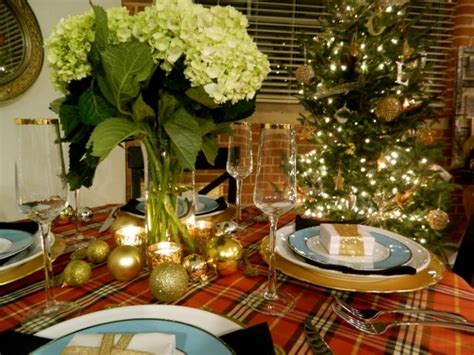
14, 241
388, 252
205, 205
189, 339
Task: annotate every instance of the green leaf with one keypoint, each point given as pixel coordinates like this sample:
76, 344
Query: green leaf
206, 125
109, 133
198, 94
222, 129
183, 130
210, 147
94, 108
101, 28
55, 105
125, 65
141, 110
69, 117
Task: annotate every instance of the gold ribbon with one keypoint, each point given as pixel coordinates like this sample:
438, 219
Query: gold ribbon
106, 347
351, 242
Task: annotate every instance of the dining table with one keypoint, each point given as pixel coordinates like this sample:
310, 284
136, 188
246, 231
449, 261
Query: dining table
230, 296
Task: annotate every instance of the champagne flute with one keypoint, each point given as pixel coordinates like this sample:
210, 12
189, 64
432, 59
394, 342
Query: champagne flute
79, 239
275, 194
41, 194
240, 160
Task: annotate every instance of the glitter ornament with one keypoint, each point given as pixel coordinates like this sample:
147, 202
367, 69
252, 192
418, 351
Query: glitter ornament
76, 273
437, 219
125, 262
79, 253
97, 251
388, 108
168, 281
196, 267
304, 74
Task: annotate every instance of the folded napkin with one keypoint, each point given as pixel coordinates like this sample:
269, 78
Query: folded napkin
122, 344
253, 340
30, 227
302, 223
131, 207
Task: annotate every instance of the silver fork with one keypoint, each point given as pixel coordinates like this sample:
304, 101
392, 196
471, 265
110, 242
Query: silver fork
372, 314
382, 327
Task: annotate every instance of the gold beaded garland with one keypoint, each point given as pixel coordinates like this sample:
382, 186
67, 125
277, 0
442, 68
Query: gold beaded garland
437, 219
168, 281
388, 108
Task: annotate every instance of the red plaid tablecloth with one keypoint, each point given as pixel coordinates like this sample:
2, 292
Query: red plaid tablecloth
229, 296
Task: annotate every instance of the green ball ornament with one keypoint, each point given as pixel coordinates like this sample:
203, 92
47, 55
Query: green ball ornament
76, 273
168, 281
98, 251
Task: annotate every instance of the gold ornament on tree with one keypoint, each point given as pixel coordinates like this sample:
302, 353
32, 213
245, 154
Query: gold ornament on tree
350, 149
76, 273
168, 281
371, 27
388, 108
407, 50
125, 262
437, 219
426, 136
97, 251
304, 74
401, 199
339, 181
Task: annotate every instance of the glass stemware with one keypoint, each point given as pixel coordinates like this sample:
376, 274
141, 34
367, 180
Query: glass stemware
41, 195
79, 239
274, 194
240, 160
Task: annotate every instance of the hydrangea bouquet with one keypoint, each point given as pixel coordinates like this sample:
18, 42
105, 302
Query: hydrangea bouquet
173, 76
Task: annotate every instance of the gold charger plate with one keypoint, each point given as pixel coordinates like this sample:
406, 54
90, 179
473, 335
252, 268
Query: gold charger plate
404, 283
31, 266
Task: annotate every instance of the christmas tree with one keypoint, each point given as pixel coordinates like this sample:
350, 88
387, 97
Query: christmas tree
363, 87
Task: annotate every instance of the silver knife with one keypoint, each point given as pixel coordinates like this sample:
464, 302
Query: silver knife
110, 219
315, 340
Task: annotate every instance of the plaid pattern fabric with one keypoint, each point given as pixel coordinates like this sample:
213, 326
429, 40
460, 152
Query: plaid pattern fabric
229, 296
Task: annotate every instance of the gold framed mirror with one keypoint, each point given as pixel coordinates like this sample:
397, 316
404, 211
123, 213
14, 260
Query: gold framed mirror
21, 48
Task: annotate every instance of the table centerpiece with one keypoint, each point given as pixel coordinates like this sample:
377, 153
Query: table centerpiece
173, 76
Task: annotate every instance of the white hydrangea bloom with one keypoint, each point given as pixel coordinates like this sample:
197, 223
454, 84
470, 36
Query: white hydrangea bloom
120, 25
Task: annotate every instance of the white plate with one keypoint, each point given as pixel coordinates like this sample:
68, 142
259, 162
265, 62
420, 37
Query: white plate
189, 339
14, 241
420, 256
26, 255
210, 322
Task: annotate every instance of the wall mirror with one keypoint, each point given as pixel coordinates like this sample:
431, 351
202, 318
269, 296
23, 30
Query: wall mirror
21, 48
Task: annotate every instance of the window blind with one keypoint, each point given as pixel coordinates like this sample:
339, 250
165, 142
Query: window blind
276, 25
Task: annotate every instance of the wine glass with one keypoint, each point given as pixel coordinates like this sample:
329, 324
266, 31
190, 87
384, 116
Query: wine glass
275, 194
41, 194
240, 160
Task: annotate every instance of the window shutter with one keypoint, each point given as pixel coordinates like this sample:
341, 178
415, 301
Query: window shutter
275, 26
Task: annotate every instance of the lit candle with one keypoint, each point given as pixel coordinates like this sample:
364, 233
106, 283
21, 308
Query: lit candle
131, 235
201, 233
164, 251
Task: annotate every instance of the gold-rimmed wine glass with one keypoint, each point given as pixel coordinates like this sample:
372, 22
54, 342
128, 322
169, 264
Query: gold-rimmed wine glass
274, 194
41, 194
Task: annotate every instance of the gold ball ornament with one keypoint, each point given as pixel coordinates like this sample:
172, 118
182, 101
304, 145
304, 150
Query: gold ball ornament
224, 253
388, 108
168, 281
65, 216
125, 262
426, 136
195, 266
76, 273
98, 251
304, 74
437, 219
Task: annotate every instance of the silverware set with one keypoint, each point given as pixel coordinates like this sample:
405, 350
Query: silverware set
363, 319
